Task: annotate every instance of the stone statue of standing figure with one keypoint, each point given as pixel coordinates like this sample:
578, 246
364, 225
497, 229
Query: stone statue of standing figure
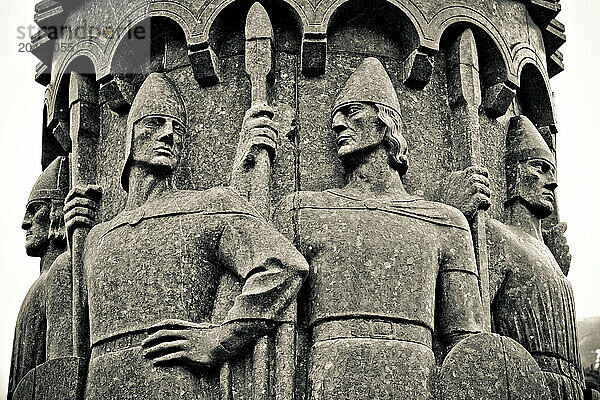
153, 271
39, 332
532, 299
386, 268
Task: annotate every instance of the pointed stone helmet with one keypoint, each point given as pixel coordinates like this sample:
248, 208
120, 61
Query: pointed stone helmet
369, 83
157, 96
53, 183
524, 142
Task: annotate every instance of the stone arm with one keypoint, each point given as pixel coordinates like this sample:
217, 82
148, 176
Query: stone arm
272, 272
459, 311
497, 242
270, 267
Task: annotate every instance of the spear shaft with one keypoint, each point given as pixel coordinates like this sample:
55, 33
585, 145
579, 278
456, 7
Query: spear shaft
464, 92
259, 62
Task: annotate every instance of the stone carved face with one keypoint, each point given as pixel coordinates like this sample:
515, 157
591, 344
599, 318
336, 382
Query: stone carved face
357, 127
535, 184
37, 225
157, 142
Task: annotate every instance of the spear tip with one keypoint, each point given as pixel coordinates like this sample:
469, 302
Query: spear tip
258, 24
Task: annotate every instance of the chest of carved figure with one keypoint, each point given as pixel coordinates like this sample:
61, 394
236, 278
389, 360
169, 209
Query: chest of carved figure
532, 268
369, 262
535, 305
161, 268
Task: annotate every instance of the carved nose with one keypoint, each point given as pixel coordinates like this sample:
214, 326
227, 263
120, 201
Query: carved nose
551, 186
26, 224
166, 134
338, 125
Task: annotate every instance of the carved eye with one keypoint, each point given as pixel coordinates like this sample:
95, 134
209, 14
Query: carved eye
34, 208
541, 166
178, 128
152, 122
354, 109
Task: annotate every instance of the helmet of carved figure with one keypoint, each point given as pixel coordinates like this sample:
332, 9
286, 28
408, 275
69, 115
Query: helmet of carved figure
530, 168
44, 218
367, 113
155, 127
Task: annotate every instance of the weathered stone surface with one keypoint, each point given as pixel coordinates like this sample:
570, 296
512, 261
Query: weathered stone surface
532, 298
505, 370
45, 238
497, 99
61, 378
188, 290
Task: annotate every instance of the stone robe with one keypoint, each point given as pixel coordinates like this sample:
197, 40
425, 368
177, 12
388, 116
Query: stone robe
532, 303
164, 260
29, 345
382, 277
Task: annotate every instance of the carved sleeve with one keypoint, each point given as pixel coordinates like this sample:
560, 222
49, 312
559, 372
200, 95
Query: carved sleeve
270, 267
459, 311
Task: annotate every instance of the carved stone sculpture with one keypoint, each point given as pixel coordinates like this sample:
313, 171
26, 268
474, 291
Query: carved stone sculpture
46, 239
153, 271
387, 268
187, 291
532, 300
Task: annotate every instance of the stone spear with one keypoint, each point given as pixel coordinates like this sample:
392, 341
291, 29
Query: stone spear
84, 131
251, 177
464, 93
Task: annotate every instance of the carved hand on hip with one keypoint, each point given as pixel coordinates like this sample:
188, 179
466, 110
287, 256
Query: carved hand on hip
184, 342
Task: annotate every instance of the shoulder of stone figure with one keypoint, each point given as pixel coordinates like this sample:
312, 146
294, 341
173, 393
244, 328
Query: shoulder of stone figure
60, 269
36, 291
451, 214
303, 198
497, 231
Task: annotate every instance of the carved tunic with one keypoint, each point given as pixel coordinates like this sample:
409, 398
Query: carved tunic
29, 347
385, 273
163, 261
533, 304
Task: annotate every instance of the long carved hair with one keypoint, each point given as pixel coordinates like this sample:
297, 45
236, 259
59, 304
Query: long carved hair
57, 232
393, 139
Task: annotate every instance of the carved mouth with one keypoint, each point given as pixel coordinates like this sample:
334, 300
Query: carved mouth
343, 139
164, 151
549, 196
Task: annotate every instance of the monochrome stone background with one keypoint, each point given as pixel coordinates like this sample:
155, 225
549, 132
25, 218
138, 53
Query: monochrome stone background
577, 143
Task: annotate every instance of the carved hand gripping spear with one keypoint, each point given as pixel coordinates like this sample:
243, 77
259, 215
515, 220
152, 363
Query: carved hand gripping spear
251, 177
464, 93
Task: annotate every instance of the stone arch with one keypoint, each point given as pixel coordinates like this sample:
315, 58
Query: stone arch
497, 61
73, 58
535, 95
56, 135
226, 30
408, 9
393, 32
179, 13
154, 44
290, 8
80, 60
